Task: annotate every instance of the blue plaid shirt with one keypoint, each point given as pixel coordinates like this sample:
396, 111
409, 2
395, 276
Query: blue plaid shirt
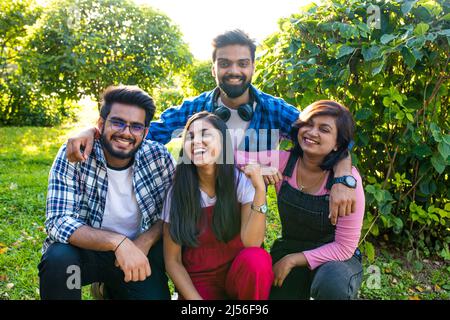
77, 191
270, 113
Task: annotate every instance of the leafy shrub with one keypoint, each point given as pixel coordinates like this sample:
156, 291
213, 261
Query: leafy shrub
395, 81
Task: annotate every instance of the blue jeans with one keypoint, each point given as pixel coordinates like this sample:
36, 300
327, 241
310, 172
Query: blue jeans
334, 280
98, 266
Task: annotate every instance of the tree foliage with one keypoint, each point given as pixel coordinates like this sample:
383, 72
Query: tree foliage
198, 79
52, 56
395, 80
21, 102
82, 46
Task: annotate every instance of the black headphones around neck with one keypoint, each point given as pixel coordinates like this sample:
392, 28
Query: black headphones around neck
245, 111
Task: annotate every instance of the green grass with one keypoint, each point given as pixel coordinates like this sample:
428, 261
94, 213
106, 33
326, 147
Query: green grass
26, 155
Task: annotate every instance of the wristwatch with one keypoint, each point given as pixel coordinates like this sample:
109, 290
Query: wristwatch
261, 209
348, 181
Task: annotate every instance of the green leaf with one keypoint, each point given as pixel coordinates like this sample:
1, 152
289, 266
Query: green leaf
369, 251
436, 132
371, 53
400, 115
421, 29
387, 101
348, 31
406, 6
446, 17
444, 149
344, 50
438, 163
375, 231
445, 32
422, 150
410, 59
418, 265
427, 187
386, 208
377, 67
433, 7
410, 117
363, 114
446, 138
398, 225
386, 38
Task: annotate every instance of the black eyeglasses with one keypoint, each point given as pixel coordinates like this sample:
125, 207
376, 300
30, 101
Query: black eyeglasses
120, 126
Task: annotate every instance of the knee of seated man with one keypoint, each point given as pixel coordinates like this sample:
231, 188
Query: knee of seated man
60, 255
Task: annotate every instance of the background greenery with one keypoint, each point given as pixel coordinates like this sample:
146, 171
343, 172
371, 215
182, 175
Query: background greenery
394, 80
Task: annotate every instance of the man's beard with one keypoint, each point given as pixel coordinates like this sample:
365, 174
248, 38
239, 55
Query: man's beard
232, 90
118, 154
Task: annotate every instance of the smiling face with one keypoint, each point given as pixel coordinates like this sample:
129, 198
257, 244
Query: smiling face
122, 144
202, 143
318, 136
233, 69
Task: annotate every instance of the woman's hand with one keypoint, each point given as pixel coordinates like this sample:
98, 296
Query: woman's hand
271, 175
282, 268
253, 172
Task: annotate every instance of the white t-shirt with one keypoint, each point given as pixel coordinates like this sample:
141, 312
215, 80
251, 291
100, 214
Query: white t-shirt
236, 126
122, 214
245, 193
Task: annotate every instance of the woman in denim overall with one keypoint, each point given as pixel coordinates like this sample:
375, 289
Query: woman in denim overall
313, 258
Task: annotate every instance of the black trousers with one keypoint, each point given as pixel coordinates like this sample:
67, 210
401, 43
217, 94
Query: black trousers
63, 263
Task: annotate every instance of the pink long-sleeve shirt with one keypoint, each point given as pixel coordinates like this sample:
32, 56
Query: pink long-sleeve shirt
348, 228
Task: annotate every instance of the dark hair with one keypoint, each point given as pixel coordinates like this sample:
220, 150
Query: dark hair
231, 37
344, 123
185, 210
131, 95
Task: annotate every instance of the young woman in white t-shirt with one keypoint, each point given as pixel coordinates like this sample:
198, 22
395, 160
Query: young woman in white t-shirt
215, 219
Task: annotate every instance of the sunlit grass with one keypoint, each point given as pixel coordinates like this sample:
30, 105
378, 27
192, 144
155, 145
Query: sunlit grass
26, 155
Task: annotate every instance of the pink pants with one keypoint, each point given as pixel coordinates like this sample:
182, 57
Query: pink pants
228, 270
249, 277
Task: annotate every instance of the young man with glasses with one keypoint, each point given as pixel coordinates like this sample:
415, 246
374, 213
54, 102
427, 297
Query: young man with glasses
103, 215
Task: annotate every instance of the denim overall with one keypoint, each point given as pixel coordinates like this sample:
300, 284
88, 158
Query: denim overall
305, 226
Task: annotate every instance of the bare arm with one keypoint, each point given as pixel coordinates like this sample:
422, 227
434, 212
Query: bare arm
147, 239
133, 262
253, 223
86, 237
174, 267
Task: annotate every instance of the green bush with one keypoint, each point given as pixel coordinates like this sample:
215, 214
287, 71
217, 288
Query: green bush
166, 98
198, 79
23, 104
395, 80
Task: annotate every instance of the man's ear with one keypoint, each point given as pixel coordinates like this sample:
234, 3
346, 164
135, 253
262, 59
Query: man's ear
100, 124
213, 70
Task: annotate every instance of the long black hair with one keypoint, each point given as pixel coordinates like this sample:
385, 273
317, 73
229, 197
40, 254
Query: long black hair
185, 210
